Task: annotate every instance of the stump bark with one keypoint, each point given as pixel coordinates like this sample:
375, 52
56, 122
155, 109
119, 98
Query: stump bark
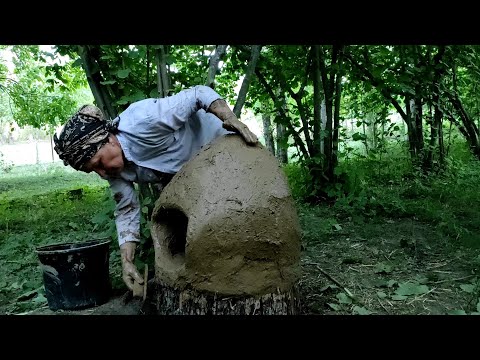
171, 301
226, 235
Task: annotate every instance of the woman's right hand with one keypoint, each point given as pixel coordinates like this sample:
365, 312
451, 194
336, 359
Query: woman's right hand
233, 124
129, 270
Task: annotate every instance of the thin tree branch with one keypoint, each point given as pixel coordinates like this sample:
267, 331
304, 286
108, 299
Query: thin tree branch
295, 135
213, 65
387, 93
252, 63
336, 282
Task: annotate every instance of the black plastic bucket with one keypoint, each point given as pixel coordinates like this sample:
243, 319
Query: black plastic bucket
76, 275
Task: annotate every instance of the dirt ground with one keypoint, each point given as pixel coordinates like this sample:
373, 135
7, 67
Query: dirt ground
403, 267
120, 303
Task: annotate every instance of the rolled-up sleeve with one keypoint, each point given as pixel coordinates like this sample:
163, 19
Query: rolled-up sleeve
127, 210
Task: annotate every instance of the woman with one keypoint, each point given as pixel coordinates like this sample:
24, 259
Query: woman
147, 143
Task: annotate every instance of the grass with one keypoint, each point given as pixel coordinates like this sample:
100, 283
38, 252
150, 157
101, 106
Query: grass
397, 243
44, 205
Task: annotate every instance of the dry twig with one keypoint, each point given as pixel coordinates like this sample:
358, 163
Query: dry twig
330, 277
383, 306
458, 279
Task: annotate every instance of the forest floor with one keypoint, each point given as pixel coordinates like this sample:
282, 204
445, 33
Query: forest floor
389, 267
379, 265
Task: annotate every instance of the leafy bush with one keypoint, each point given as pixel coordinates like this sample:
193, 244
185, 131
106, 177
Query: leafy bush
298, 179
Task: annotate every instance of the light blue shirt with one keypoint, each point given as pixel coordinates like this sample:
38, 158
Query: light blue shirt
160, 134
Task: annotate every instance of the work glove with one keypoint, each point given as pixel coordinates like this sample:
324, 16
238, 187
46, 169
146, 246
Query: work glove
129, 270
233, 124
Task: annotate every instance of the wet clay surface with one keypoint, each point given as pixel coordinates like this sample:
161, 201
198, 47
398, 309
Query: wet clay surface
226, 223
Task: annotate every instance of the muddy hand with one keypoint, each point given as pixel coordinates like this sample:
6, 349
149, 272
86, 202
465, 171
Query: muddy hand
130, 274
129, 270
233, 124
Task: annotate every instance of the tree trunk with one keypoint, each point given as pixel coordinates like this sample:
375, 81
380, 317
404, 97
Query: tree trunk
441, 146
323, 116
111, 91
365, 135
94, 78
436, 133
267, 133
328, 96
336, 115
213, 65
282, 154
282, 139
419, 126
410, 130
470, 127
282, 115
252, 63
317, 103
163, 83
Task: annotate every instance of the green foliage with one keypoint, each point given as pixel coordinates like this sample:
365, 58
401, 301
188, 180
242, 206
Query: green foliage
411, 288
45, 93
36, 110
319, 224
41, 205
390, 187
298, 179
375, 176
129, 72
473, 289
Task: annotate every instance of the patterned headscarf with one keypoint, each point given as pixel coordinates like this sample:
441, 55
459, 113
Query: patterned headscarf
82, 136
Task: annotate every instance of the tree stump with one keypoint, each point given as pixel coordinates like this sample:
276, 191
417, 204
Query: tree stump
171, 301
226, 235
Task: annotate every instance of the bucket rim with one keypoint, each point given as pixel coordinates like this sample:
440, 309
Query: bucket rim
44, 249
